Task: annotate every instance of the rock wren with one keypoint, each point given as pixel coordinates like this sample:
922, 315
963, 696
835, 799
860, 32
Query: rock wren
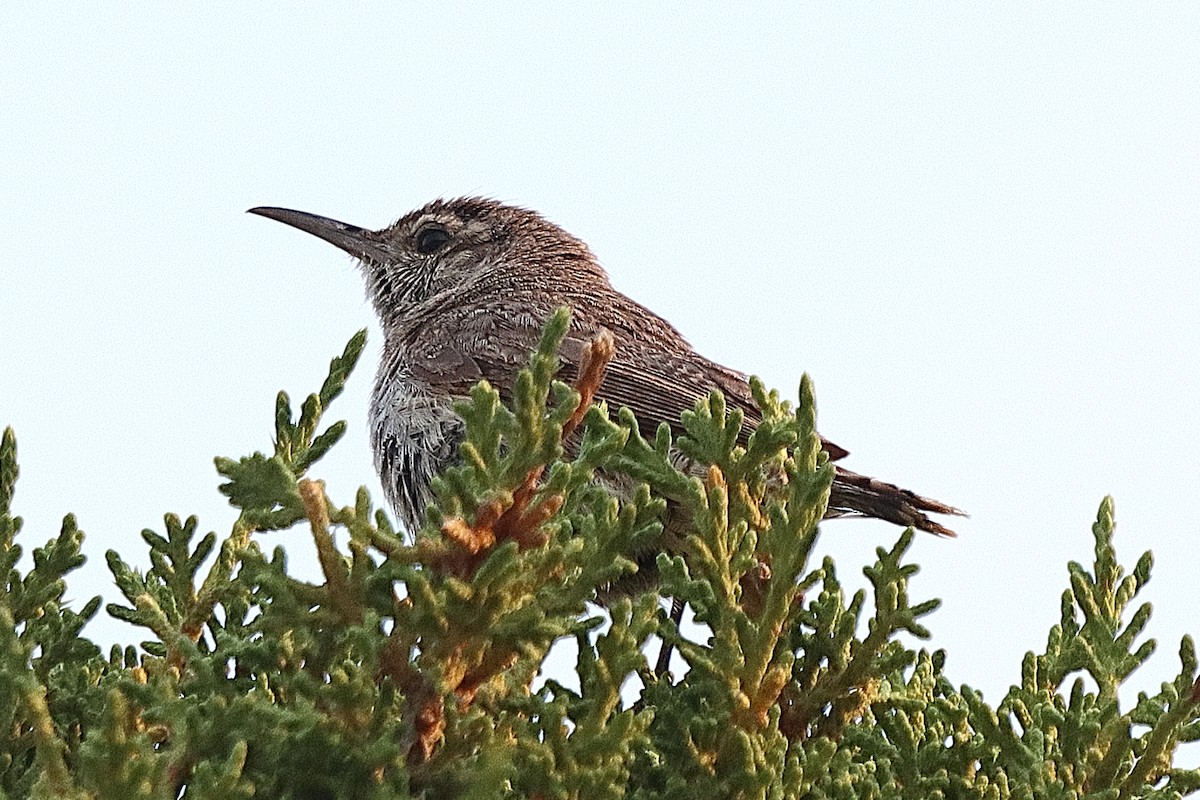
462, 289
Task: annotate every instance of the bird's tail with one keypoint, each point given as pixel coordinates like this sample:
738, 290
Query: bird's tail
860, 495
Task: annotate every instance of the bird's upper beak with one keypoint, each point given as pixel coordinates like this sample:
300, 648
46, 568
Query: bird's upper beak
358, 242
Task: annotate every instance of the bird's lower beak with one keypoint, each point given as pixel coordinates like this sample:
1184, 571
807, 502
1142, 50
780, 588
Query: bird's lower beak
358, 242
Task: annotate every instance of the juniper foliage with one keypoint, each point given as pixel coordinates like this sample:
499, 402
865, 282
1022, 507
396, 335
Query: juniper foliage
410, 671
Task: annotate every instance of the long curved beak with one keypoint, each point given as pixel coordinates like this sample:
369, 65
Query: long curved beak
358, 242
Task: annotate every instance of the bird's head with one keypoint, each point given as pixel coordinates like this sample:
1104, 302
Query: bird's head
449, 246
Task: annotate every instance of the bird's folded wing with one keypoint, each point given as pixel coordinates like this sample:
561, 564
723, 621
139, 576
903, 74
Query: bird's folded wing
656, 386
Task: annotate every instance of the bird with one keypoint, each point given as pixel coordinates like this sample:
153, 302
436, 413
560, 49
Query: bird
463, 288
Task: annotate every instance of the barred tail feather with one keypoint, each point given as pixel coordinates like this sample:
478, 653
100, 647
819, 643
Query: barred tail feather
861, 495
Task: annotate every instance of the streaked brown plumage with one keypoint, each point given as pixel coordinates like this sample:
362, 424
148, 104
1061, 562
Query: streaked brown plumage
463, 289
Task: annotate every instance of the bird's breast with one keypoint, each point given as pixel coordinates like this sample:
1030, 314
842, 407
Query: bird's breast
414, 435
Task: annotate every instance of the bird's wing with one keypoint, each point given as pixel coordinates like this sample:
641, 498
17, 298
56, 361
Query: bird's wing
657, 385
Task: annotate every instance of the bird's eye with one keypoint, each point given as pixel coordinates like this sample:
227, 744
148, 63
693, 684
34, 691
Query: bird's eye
431, 238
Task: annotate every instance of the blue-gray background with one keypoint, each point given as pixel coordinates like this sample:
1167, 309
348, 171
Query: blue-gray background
975, 227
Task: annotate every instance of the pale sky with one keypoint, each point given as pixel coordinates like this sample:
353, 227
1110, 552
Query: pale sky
976, 227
